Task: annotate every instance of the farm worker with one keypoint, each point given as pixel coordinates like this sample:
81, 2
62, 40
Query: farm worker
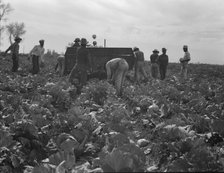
14, 48
184, 62
82, 65
163, 63
60, 66
117, 69
37, 54
70, 62
139, 64
154, 63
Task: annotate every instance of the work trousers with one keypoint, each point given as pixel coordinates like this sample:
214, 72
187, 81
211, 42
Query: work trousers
162, 70
60, 65
78, 72
36, 66
183, 71
139, 71
15, 63
154, 70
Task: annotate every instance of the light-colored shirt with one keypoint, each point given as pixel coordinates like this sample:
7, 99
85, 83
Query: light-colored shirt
187, 56
113, 65
38, 51
139, 55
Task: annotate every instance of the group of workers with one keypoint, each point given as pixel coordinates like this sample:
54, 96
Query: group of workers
36, 55
116, 68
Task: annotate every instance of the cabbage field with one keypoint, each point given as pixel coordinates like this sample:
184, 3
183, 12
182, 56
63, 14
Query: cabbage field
163, 126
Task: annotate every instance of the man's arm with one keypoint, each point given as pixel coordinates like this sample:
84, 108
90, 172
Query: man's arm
9, 48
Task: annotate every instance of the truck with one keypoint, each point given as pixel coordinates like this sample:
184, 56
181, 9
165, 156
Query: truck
99, 57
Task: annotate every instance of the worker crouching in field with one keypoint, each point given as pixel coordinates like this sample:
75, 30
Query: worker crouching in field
60, 66
117, 69
37, 54
81, 67
14, 48
139, 65
184, 62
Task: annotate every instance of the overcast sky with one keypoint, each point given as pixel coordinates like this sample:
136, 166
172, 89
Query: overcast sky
147, 24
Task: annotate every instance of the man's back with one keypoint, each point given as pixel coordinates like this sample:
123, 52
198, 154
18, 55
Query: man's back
82, 56
139, 56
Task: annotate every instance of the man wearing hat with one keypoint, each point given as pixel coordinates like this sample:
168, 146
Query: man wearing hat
37, 54
77, 42
139, 64
81, 66
154, 63
163, 62
14, 48
184, 61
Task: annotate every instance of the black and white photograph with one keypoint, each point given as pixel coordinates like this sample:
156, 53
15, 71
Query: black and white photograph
89, 86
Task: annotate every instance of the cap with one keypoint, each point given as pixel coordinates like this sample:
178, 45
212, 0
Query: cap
77, 40
41, 41
135, 49
185, 46
83, 41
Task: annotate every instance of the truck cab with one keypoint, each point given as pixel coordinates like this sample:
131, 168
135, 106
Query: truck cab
99, 56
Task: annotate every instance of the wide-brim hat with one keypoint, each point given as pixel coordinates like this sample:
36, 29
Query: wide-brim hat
155, 51
18, 39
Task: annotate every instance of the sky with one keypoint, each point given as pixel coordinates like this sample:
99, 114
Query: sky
147, 24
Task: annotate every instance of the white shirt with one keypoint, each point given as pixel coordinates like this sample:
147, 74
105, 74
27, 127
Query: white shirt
38, 51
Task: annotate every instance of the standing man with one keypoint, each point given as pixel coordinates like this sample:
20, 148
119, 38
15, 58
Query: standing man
71, 61
139, 65
117, 69
81, 66
184, 62
154, 63
163, 63
37, 54
14, 48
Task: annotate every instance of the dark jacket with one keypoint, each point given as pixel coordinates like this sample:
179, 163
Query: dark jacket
154, 58
83, 57
14, 48
163, 60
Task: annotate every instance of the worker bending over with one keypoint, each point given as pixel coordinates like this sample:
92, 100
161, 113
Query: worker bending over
60, 66
117, 69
